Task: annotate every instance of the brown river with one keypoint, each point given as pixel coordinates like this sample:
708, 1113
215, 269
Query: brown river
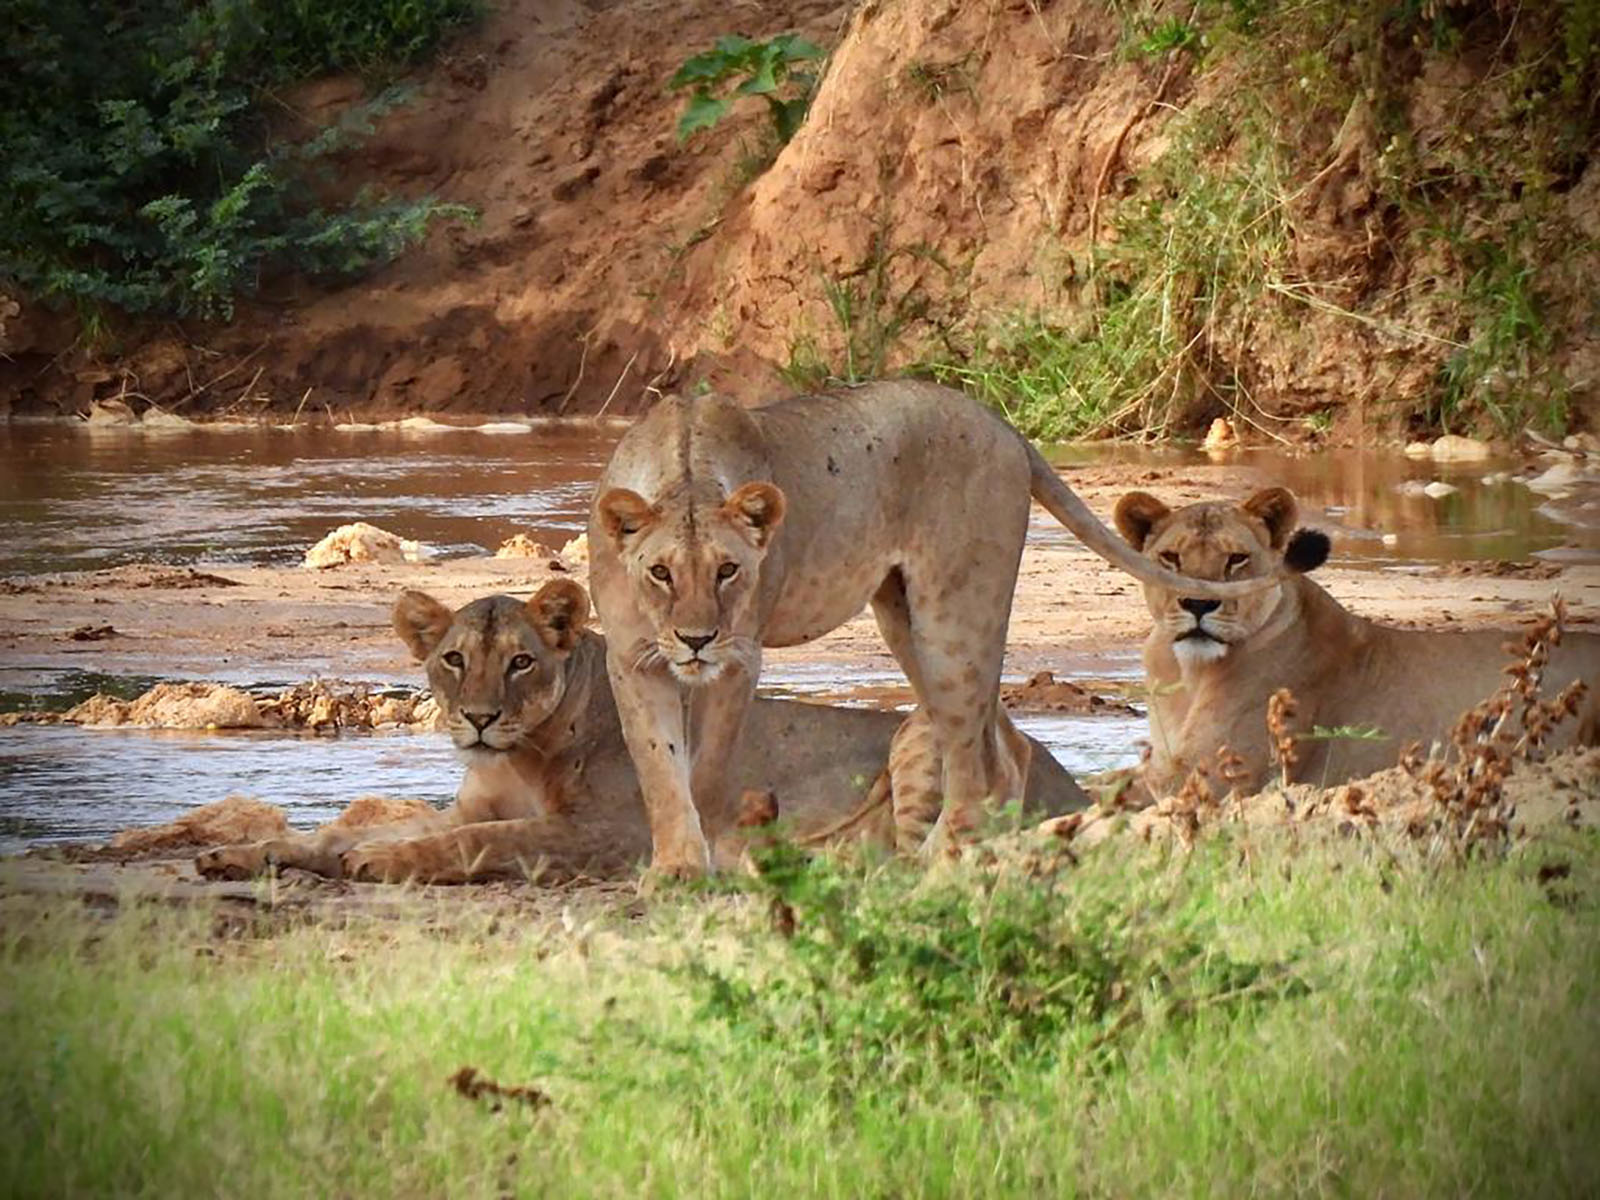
78, 498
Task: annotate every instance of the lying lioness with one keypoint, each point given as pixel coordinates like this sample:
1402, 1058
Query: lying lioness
524, 691
1212, 665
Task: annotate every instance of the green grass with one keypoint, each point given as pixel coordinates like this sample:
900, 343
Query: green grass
1334, 1019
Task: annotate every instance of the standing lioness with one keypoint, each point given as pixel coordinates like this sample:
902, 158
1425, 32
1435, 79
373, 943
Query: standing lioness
718, 530
1212, 667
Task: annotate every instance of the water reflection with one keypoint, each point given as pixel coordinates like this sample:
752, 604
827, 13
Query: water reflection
1360, 496
55, 786
71, 499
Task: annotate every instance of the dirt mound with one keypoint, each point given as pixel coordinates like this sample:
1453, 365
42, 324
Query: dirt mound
317, 706
235, 819
1563, 790
320, 705
363, 543
553, 121
172, 706
1043, 692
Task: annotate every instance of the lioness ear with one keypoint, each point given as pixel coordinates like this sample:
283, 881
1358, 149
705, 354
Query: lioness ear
624, 513
1307, 550
559, 611
1276, 509
1136, 515
757, 509
421, 621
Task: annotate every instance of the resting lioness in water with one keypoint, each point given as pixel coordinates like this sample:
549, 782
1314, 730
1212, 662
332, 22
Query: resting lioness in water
1213, 665
524, 691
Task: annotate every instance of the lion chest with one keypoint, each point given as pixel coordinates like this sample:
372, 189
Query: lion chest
502, 789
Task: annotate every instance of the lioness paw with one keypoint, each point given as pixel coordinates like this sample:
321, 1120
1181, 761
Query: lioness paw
664, 877
231, 862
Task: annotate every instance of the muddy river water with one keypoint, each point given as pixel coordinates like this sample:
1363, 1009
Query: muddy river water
78, 498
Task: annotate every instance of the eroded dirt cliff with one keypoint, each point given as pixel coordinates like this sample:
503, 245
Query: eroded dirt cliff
967, 171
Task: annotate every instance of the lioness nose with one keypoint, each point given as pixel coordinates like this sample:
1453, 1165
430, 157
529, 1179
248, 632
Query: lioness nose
481, 720
1199, 607
697, 641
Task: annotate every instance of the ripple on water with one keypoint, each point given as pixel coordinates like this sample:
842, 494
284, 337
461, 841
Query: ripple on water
63, 783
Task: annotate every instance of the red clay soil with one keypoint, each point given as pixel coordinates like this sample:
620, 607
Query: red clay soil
954, 161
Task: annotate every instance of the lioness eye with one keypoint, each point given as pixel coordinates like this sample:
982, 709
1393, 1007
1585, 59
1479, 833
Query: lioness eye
522, 662
660, 572
727, 570
1168, 558
1237, 560
453, 658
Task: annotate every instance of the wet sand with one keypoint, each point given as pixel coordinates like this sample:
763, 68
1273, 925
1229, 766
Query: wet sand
1072, 614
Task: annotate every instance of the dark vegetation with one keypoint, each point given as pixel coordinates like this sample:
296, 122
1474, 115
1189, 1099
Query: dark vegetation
143, 166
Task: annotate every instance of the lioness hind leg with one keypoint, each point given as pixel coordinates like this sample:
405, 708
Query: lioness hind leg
916, 781
956, 631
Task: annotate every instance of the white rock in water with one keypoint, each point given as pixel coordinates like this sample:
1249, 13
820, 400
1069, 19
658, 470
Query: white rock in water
111, 412
356, 427
1496, 479
361, 542
1221, 436
1417, 450
575, 554
1560, 479
172, 706
1412, 487
422, 425
1438, 489
503, 427
520, 545
1454, 448
157, 418
1391, 540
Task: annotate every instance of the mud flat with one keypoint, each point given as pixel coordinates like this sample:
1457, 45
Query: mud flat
1073, 614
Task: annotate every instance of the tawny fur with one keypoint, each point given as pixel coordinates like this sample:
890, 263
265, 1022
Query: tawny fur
557, 792
1343, 670
718, 530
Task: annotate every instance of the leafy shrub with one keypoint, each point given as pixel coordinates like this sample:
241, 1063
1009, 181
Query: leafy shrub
138, 171
766, 69
895, 978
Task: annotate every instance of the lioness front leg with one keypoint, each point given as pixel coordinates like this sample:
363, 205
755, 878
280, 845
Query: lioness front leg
717, 713
311, 852
651, 708
487, 850
514, 849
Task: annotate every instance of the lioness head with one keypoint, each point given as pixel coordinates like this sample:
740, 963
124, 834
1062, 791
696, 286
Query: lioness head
694, 569
1217, 540
496, 666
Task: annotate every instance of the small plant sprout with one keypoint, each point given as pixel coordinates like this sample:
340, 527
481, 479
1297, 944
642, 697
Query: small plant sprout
765, 69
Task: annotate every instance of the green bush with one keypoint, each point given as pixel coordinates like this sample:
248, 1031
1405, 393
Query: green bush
891, 979
765, 69
138, 171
